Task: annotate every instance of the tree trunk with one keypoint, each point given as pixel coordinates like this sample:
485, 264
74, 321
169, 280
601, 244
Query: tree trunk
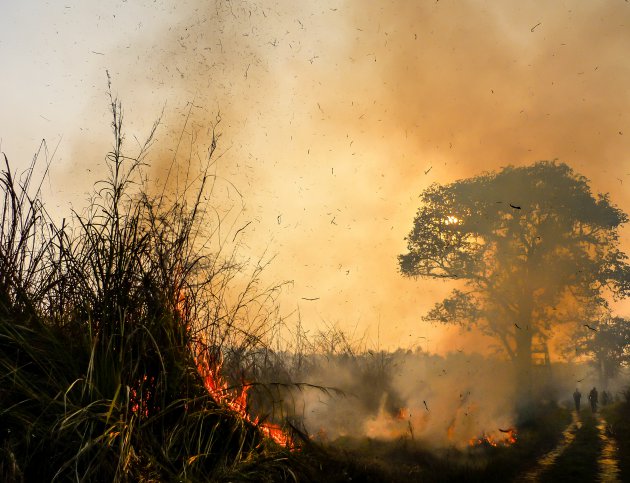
523, 355
523, 366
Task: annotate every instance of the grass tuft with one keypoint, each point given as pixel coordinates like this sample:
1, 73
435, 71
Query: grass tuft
100, 321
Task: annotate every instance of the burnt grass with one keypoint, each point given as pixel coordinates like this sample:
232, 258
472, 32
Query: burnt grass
404, 460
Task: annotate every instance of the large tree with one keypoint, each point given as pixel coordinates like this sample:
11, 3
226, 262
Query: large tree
525, 242
606, 342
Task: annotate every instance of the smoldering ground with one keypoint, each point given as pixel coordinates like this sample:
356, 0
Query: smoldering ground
440, 401
454, 400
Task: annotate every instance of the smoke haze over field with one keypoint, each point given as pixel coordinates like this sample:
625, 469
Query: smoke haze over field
442, 401
334, 117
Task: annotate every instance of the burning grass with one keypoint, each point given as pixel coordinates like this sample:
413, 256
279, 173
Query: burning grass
405, 459
235, 399
107, 325
503, 437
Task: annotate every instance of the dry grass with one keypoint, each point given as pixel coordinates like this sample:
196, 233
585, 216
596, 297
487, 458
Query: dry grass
98, 321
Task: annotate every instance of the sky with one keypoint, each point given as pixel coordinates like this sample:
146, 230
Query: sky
334, 117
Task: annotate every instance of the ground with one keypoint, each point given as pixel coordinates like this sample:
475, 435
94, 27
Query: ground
557, 445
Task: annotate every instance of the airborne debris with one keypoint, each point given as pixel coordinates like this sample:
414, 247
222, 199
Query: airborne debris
241, 229
589, 327
515, 206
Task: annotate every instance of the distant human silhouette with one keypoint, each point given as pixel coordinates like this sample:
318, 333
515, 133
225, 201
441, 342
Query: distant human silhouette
577, 395
592, 397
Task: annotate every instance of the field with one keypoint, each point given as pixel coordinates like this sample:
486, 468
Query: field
134, 347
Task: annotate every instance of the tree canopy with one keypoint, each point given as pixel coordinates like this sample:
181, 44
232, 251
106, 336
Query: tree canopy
526, 242
606, 341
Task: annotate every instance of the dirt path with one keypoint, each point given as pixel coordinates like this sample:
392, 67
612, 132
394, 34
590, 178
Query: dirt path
586, 452
548, 459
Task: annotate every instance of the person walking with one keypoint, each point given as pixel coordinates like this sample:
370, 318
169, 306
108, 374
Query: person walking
592, 397
577, 395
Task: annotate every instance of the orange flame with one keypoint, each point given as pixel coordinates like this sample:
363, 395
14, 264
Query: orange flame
209, 368
141, 395
450, 432
507, 438
403, 414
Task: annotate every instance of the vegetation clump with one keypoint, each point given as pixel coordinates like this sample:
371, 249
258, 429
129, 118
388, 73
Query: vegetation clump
102, 320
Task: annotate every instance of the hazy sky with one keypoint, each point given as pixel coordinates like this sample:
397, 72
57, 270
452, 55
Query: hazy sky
334, 117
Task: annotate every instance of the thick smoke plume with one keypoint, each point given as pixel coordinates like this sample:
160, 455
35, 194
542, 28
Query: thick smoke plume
336, 116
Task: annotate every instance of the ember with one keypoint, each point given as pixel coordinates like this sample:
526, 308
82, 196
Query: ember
506, 437
140, 396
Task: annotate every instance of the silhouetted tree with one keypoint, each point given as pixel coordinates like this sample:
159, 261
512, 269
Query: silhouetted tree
607, 343
523, 240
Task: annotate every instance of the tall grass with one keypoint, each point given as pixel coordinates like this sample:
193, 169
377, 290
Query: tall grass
100, 321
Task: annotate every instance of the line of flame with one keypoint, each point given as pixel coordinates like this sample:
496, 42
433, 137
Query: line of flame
236, 400
210, 371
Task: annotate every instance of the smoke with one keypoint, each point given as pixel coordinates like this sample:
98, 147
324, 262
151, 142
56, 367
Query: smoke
336, 116
441, 401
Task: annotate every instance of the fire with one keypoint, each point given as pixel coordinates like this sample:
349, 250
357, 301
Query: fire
403, 414
209, 368
140, 400
450, 432
236, 399
507, 437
